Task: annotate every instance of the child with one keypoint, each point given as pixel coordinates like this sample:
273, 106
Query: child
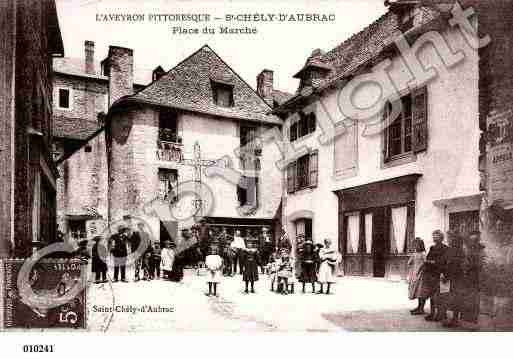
167, 259
308, 270
329, 258
285, 271
146, 262
250, 268
214, 264
272, 269
155, 261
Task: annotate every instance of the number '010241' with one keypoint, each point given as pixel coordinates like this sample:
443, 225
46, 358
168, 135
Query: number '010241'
38, 348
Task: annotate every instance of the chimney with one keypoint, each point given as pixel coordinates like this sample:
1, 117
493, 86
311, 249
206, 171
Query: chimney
157, 73
121, 80
89, 57
265, 86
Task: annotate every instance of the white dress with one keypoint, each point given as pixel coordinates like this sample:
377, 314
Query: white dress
329, 259
214, 263
167, 259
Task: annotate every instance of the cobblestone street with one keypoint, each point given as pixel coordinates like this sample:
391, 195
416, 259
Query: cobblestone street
356, 305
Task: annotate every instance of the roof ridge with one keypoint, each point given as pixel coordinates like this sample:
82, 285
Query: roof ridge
355, 35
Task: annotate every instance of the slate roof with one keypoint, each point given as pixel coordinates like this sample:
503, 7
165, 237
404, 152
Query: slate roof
188, 86
76, 67
367, 45
281, 97
73, 128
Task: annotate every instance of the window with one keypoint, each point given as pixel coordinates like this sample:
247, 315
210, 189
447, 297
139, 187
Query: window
168, 185
407, 20
88, 148
303, 229
168, 129
303, 127
64, 99
223, 94
77, 229
398, 133
408, 132
303, 173
247, 191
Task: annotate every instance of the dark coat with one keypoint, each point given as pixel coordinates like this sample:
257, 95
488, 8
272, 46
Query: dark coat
99, 251
118, 245
250, 271
430, 272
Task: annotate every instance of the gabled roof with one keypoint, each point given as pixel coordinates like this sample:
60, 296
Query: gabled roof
188, 86
76, 67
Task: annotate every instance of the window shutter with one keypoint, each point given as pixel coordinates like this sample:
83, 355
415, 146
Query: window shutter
313, 169
311, 123
293, 132
420, 119
291, 174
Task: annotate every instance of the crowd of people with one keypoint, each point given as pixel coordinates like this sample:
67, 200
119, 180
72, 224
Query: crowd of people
221, 255
448, 276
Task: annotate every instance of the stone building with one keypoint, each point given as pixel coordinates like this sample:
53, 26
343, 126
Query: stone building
117, 164
375, 186
30, 38
81, 92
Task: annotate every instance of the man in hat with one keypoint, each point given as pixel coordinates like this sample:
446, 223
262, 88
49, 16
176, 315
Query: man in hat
139, 240
430, 286
119, 252
238, 245
307, 258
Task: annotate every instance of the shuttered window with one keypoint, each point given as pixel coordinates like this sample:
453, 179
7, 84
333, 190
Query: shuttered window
303, 173
408, 132
420, 119
346, 150
307, 124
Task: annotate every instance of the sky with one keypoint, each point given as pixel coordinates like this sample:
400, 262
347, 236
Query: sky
279, 46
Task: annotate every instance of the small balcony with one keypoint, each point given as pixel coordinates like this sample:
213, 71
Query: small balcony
169, 146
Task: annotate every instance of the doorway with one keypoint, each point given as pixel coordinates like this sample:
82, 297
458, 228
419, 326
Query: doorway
379, 242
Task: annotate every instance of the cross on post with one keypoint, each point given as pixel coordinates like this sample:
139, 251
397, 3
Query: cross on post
198, 163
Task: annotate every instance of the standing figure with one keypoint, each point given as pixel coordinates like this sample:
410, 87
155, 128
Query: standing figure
139, 240
472, 267
285, 272
430, 283
250, 269
272, 269
214, 264
284, 242
266, 248
415, 268
167, 259
453, 276
307, 259
328, 257
99, 257
147, 263
238, 246
226, 252
120, 252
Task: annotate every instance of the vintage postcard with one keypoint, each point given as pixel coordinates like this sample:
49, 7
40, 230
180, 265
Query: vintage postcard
174, 166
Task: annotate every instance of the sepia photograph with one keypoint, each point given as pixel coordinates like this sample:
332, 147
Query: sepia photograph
182, 166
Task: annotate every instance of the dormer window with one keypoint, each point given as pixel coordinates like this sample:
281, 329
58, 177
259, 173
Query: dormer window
407, 20
223, 94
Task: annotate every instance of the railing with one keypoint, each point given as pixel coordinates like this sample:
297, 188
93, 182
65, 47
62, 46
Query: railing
169, 151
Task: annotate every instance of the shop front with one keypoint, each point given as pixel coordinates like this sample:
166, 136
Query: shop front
376, 227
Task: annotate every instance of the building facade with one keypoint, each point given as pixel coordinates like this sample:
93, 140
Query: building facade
379, 182
156, 142
31, 37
